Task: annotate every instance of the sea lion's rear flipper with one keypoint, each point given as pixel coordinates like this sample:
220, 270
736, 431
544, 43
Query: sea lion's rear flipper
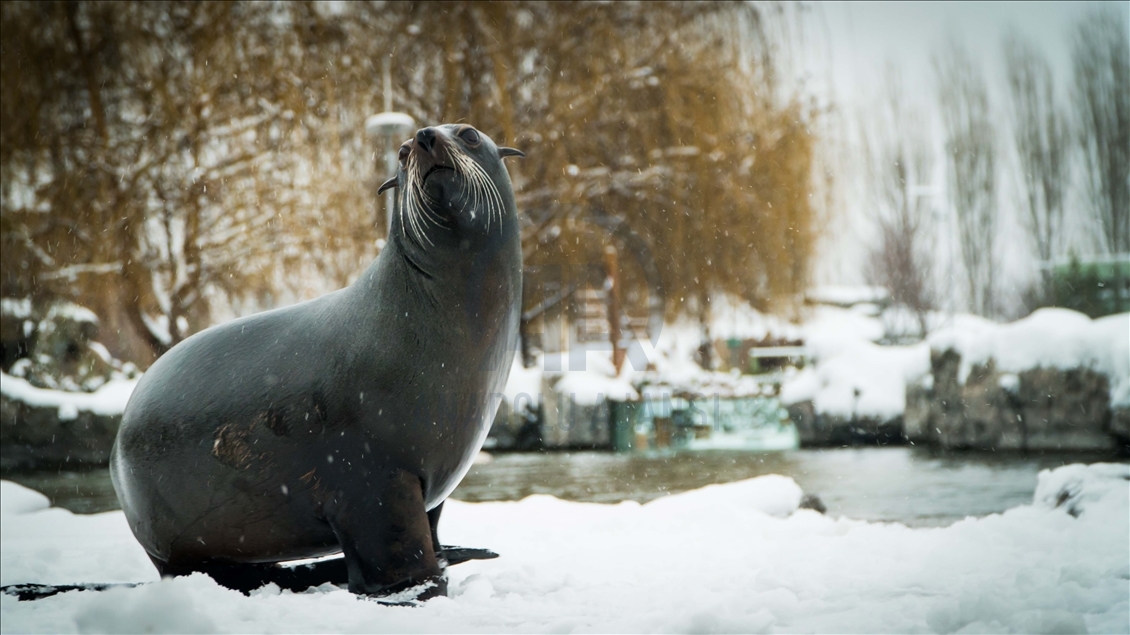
27, 592
386, 539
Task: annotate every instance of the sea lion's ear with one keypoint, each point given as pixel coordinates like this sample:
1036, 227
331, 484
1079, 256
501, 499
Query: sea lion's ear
387, 185
510, 152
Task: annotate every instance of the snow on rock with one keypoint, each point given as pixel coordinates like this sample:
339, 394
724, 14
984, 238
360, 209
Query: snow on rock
852, 375
1050, 338
730, 558
110, 399
862, 379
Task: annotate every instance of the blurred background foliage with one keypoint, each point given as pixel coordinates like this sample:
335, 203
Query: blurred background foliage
172, 164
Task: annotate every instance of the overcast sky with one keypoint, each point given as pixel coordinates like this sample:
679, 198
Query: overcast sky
847, 44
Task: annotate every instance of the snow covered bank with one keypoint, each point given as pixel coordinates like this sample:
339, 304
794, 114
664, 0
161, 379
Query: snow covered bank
727, 558
1053, 380
42, 428
1049, 338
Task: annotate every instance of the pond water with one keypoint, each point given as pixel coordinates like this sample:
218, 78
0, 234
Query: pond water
913, 486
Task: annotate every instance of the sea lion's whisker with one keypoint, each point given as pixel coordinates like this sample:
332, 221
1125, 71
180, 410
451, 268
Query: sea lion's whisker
414, 201
420, 209
467, 168
409, 198
483, 190
494, 202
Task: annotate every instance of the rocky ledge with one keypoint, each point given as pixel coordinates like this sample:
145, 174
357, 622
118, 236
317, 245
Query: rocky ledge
1036, 409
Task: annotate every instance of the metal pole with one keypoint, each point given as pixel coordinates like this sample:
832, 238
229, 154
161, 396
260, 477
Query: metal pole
386, 129
390, 152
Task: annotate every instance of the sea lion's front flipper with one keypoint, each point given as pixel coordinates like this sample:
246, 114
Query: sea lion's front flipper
386, 539
458, 555
450, 555
433, 524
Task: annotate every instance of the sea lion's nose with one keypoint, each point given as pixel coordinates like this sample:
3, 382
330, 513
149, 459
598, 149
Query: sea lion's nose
426, 139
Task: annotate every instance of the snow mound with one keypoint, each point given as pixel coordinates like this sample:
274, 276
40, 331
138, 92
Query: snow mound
674, 371
177, 605
1077, 488
861, 379
830, 330
15, 499
734, 558
770, 494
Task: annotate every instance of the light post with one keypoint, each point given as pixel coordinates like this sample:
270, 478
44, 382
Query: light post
387, 129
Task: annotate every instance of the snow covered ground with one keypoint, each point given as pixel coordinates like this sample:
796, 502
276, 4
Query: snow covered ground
726, 558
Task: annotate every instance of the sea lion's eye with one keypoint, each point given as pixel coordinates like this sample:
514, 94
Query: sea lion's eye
470, 136
403, 155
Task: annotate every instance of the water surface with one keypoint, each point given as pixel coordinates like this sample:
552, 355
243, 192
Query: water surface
913, 486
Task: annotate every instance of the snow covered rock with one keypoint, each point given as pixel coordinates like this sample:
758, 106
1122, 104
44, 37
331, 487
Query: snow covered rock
61, 393
54, 346
40, 427
1054, 380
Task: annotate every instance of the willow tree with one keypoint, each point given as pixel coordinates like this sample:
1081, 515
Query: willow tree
666, 116
161, 160
157, 157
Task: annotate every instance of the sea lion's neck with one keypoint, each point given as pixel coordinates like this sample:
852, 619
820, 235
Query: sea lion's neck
437, 281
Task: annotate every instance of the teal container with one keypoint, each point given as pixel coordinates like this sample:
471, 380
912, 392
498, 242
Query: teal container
622, 416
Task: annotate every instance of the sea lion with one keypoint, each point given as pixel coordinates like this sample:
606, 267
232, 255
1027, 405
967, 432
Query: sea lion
342, 423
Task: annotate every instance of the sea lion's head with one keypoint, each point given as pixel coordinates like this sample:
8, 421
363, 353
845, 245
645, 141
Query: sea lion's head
454, 188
